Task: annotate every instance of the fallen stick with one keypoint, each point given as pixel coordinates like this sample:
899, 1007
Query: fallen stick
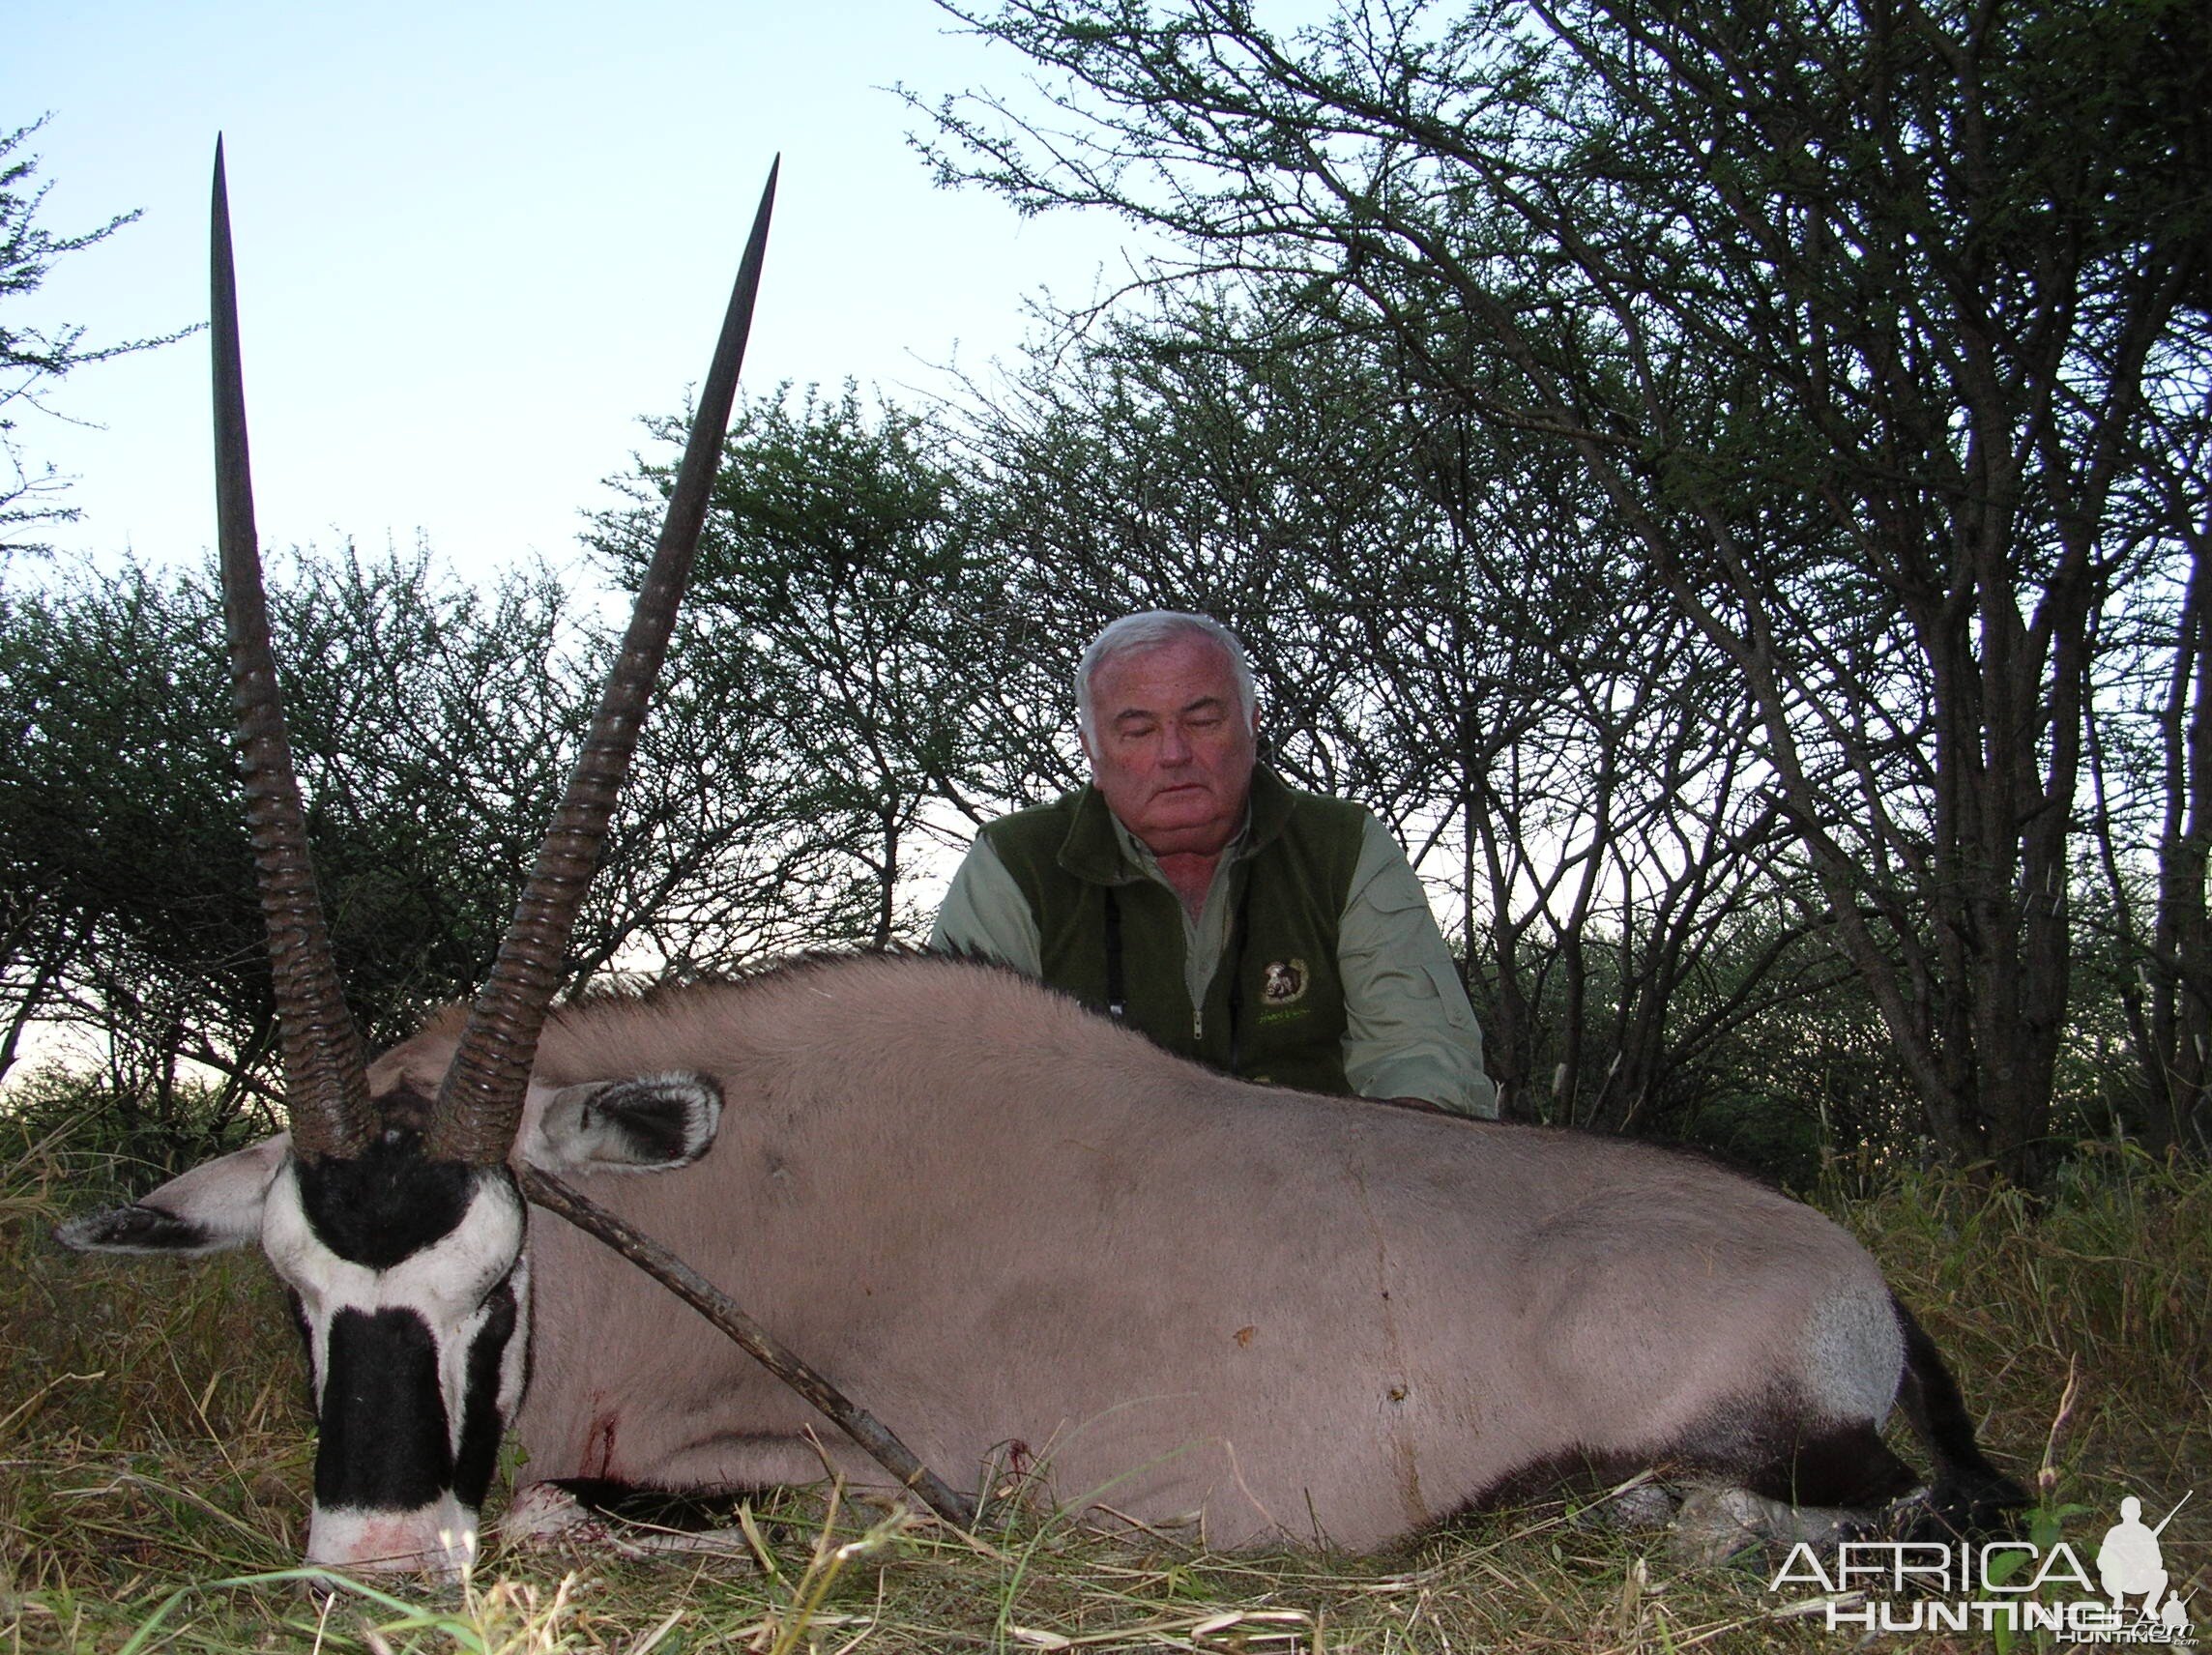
716, 1306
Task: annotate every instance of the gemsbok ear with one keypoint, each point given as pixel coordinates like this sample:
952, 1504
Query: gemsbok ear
210, 1210
651, 1123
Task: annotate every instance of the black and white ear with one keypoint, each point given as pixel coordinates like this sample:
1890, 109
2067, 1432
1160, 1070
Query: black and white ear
648, 1124
209, 1209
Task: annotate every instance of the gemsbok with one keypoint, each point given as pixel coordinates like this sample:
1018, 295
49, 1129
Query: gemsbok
1019, 1233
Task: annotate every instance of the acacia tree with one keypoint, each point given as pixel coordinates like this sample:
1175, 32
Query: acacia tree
116, 833
433, 728
31, 359
2169, 1004
1185, 461
427, 723
1566, 758
836, 612
2150, 809
1594, 767
1852, 317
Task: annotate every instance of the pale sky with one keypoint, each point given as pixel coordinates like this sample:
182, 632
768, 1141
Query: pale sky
476, 242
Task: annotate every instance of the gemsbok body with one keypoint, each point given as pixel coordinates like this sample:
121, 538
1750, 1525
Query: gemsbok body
1018, 1234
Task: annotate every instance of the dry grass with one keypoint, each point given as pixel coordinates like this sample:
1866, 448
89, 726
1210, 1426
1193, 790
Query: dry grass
154, 1468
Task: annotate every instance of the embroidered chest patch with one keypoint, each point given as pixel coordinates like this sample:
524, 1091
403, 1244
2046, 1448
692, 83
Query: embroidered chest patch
1284, 982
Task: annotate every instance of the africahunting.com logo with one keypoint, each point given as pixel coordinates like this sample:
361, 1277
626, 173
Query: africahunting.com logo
2126, 1595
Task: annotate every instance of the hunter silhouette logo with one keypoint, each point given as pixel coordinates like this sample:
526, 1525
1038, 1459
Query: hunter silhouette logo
2130, 1563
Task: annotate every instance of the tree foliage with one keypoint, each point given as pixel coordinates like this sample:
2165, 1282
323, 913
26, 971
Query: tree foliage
32, 360
1429, 637
834, 616
433, 728
1873, 330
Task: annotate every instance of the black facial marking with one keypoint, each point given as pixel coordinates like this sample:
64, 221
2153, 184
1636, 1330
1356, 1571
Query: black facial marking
307, 1333
385, 1445
481, 1422
386, 1204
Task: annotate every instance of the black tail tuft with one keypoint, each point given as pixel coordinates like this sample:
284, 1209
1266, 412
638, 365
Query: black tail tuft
1971, 1496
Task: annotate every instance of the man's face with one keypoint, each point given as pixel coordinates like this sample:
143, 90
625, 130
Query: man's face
1169, 747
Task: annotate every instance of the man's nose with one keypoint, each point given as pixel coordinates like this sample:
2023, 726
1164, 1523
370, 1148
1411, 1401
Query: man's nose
1175, 746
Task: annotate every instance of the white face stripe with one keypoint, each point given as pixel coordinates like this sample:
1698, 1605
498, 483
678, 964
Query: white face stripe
445, 1284
514, 1360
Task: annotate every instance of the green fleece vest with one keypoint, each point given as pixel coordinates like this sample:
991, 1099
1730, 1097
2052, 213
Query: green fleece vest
1287, 891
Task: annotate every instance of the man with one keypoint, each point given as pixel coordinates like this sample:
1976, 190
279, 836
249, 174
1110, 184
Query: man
1189, 892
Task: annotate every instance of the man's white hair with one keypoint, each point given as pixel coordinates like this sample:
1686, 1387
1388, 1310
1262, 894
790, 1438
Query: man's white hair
1150, 630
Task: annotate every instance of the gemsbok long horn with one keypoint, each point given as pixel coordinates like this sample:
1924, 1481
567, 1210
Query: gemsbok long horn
326, 1078
479, 1102
481, 1099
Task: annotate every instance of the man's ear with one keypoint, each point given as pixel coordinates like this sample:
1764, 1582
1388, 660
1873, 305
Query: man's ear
651, 1123
211, 1208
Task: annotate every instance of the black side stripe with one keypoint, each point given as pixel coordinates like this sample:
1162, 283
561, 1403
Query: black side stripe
478, 1456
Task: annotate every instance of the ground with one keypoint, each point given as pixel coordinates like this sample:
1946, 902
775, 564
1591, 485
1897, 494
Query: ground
155, 1462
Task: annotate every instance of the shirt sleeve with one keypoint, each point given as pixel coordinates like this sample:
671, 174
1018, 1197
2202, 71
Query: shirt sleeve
984, 912
1408, 1029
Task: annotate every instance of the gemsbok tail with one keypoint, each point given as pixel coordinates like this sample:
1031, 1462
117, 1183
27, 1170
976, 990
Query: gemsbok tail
1969, 1495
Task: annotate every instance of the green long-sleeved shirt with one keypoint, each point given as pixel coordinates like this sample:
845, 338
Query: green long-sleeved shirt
1410, 1030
